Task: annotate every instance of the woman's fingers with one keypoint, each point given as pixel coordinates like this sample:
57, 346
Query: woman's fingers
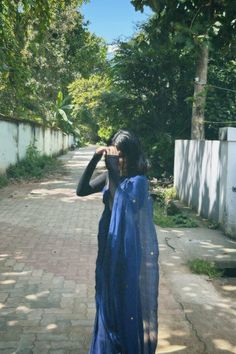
101, 150
108, 150
112, 150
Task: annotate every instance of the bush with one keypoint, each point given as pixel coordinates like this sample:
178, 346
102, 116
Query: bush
179, 220
166, 213
34, 165
3, 181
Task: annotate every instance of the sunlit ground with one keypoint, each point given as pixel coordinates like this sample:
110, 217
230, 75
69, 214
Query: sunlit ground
47, 262
208, 307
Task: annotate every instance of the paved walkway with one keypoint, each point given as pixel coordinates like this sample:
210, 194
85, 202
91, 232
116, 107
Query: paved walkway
47, 260
48, 250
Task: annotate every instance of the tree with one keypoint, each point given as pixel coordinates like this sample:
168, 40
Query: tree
204, 25
154, 81
86, 94
20, 22
44, 47
148, 88
68, 51
148, 85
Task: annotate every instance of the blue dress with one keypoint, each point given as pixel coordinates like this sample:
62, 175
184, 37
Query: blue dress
127, 273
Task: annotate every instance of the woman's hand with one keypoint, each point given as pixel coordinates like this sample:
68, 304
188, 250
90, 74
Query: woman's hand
108, 150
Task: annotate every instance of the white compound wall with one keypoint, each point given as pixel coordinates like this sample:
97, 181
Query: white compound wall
16, 136
205, 177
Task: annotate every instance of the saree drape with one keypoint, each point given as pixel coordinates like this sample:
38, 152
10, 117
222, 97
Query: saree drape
127, 273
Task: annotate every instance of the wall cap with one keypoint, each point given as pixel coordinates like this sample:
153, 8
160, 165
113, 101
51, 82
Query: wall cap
27, 121
227, 133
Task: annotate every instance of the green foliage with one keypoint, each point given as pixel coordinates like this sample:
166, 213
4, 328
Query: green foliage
87, 134
161, 154
62, 117
184, 220
44, 46
152, 76
221, 97
34, 165
193, 22
160, 217
164, 194
170, 193
149, 82
105, 132
193, 25
3, 181
139, 4
165, 213
201, 266
147, 87
163, 220
86, 96
86, 92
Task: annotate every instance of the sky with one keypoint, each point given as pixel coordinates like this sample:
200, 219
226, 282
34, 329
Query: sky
113, 19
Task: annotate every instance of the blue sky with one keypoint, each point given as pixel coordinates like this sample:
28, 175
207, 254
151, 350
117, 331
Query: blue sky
113, 19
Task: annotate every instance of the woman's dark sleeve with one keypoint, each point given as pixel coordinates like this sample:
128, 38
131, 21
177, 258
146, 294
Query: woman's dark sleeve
86, 186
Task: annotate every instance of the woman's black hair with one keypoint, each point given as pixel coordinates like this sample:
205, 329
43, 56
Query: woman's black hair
129, 145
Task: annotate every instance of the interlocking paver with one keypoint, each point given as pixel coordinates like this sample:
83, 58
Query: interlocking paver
47, 263
48, 239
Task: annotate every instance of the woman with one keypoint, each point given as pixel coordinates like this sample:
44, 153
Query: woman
127, 264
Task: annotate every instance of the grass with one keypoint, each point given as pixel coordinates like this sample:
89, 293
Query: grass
179, 220
33, 166
201, 266
165, 213
3, 181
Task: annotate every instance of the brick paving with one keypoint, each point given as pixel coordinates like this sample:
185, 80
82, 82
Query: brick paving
47, 263
48, 250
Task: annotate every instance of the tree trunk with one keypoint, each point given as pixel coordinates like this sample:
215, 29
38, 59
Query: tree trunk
200, 95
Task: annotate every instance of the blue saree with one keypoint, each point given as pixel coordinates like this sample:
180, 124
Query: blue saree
127, 273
